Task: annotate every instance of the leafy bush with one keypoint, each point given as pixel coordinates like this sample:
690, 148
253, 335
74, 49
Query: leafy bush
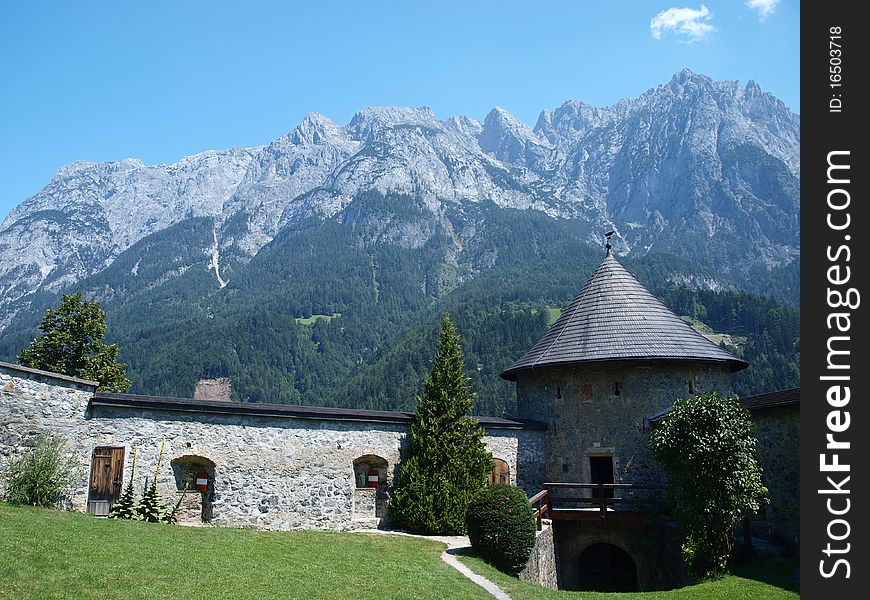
708, 451
39, 475
501, 527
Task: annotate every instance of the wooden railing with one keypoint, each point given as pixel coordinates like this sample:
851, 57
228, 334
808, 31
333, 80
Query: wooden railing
540, 504
632, 497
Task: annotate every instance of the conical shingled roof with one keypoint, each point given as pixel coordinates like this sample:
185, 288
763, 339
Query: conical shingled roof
615, 318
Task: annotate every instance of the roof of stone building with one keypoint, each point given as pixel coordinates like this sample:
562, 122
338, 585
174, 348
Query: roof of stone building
615, 318
773, 399
280, 411
759, 402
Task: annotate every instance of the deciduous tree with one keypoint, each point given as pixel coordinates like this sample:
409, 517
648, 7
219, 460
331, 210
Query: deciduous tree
72, 344
708, 451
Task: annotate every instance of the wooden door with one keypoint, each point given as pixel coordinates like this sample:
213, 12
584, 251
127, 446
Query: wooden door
107, 478
501, 473
601, 471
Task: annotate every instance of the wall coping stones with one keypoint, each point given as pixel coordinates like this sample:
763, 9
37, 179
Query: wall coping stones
320, 413
39, 373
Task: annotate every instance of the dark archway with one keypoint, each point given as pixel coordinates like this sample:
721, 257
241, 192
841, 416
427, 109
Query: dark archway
606, 568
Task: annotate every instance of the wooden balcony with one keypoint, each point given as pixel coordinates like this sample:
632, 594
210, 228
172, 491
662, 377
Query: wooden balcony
591, 501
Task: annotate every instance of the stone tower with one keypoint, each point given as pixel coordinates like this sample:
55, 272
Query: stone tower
616, 358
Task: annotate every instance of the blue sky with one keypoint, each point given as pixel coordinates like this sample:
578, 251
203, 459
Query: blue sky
157, 81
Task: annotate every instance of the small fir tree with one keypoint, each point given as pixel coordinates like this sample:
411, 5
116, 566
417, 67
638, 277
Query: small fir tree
151, 507
72, 344
448, 462
125, 507
708, 452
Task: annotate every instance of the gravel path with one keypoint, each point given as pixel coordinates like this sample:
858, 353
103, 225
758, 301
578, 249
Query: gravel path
455, 543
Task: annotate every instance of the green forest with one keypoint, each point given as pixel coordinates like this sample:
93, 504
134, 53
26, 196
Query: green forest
384, 274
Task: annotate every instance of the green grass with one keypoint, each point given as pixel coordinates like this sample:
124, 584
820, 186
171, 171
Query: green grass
314, 318
734, 341
54, 554
553, 314
772, 581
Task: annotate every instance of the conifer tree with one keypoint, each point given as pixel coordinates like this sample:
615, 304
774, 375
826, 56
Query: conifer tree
151, 507
448, 462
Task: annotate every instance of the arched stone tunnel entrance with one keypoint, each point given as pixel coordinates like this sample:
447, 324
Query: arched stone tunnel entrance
611, 555
606, 568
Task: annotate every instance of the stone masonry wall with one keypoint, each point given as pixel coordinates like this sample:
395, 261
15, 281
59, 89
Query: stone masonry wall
29, 400
586, 417
268, 472
778, 435
541, 566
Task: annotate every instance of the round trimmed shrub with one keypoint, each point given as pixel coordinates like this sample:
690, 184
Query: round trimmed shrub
501, 527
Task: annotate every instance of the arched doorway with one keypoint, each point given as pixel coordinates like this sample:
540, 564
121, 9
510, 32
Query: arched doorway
501, 473
606, 568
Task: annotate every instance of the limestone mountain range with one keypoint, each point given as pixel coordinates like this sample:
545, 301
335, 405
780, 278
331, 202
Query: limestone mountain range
702, 169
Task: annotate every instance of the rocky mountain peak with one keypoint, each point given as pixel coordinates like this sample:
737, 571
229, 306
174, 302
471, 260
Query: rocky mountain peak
507, 138
715, 159
314, 129
368, 122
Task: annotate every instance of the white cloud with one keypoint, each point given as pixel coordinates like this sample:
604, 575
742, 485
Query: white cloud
764, 7
693, 23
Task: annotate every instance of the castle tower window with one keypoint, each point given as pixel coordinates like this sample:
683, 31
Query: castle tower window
615, 388
586, 392
691, 385
558, 392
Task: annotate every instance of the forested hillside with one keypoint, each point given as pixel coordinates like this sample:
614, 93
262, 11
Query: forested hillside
385, 272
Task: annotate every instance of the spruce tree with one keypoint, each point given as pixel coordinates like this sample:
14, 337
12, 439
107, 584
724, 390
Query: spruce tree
448, 462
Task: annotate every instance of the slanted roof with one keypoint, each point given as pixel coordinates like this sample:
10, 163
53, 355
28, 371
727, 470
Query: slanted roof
615, 318
280, 411
759, 402
776, 399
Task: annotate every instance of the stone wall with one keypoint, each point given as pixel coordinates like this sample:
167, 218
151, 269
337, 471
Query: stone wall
33, 402
605, 410
541, 567
778, 434
265, 472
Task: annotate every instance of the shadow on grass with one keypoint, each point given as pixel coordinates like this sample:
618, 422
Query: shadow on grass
782, 572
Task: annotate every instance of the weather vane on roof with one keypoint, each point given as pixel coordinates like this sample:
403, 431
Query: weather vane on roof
607, 245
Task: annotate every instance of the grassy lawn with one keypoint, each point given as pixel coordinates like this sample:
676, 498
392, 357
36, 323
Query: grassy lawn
54, 554
770, 581
314, 318
733, 341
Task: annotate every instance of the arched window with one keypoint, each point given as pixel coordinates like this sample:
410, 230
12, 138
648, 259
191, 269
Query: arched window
186, 469
195, 479
370, 471
370, 487
501, 473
